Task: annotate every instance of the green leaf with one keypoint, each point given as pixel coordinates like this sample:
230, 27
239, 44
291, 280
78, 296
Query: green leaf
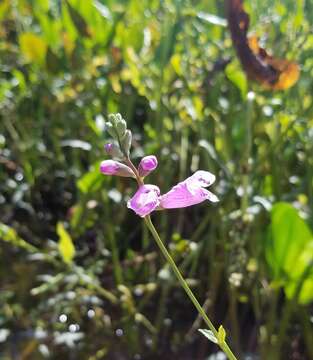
290, 242
288, 236
66, 247
221, 335
237, 77
33, 47
78, 21
52, 61
103, 10
209, 335
91, 181
300, 283
9, 235
212, 19
4, 8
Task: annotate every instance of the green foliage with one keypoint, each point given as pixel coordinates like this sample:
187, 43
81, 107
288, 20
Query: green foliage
8, 234
170, 69
66, 247
289, 251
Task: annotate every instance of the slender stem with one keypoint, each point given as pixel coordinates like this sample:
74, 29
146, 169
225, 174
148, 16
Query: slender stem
133, 167
223, 345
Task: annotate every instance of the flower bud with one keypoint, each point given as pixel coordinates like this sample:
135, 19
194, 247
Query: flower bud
113, 150
118, 117
112, 119
121, 127
111, 167
147, 164
110, 129
127, 141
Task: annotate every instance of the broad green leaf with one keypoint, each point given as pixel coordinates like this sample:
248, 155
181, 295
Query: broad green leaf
288, 236
302, 277
306, 292
290, 242
66, 247
33, 47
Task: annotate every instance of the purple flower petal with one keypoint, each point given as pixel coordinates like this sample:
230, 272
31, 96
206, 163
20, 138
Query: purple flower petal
201, 178
108, 147
111, 167
145, 200
147, 164
190, 191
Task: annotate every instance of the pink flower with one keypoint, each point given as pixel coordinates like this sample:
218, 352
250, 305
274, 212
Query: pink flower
111, 167
147, 164
190, 191
145, 200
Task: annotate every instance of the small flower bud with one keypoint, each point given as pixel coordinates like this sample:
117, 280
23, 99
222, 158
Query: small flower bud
118, 117
111, 167
127, 141
112, 119
110, 129
147, 164
121, 127
113, 150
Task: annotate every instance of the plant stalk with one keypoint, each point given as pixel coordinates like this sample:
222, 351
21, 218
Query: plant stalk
223, 345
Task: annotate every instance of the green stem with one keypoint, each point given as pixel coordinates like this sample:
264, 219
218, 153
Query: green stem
223, 345
117, 268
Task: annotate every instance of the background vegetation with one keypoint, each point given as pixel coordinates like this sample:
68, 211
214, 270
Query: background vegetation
80, 276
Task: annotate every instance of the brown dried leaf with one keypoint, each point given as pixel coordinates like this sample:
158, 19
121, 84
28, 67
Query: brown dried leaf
273, 73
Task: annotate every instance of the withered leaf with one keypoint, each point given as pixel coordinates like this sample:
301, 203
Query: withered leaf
272, 73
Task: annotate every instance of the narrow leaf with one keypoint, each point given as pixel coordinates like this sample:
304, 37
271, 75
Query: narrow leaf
221, 335
9, 235
209, 335
66, 247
